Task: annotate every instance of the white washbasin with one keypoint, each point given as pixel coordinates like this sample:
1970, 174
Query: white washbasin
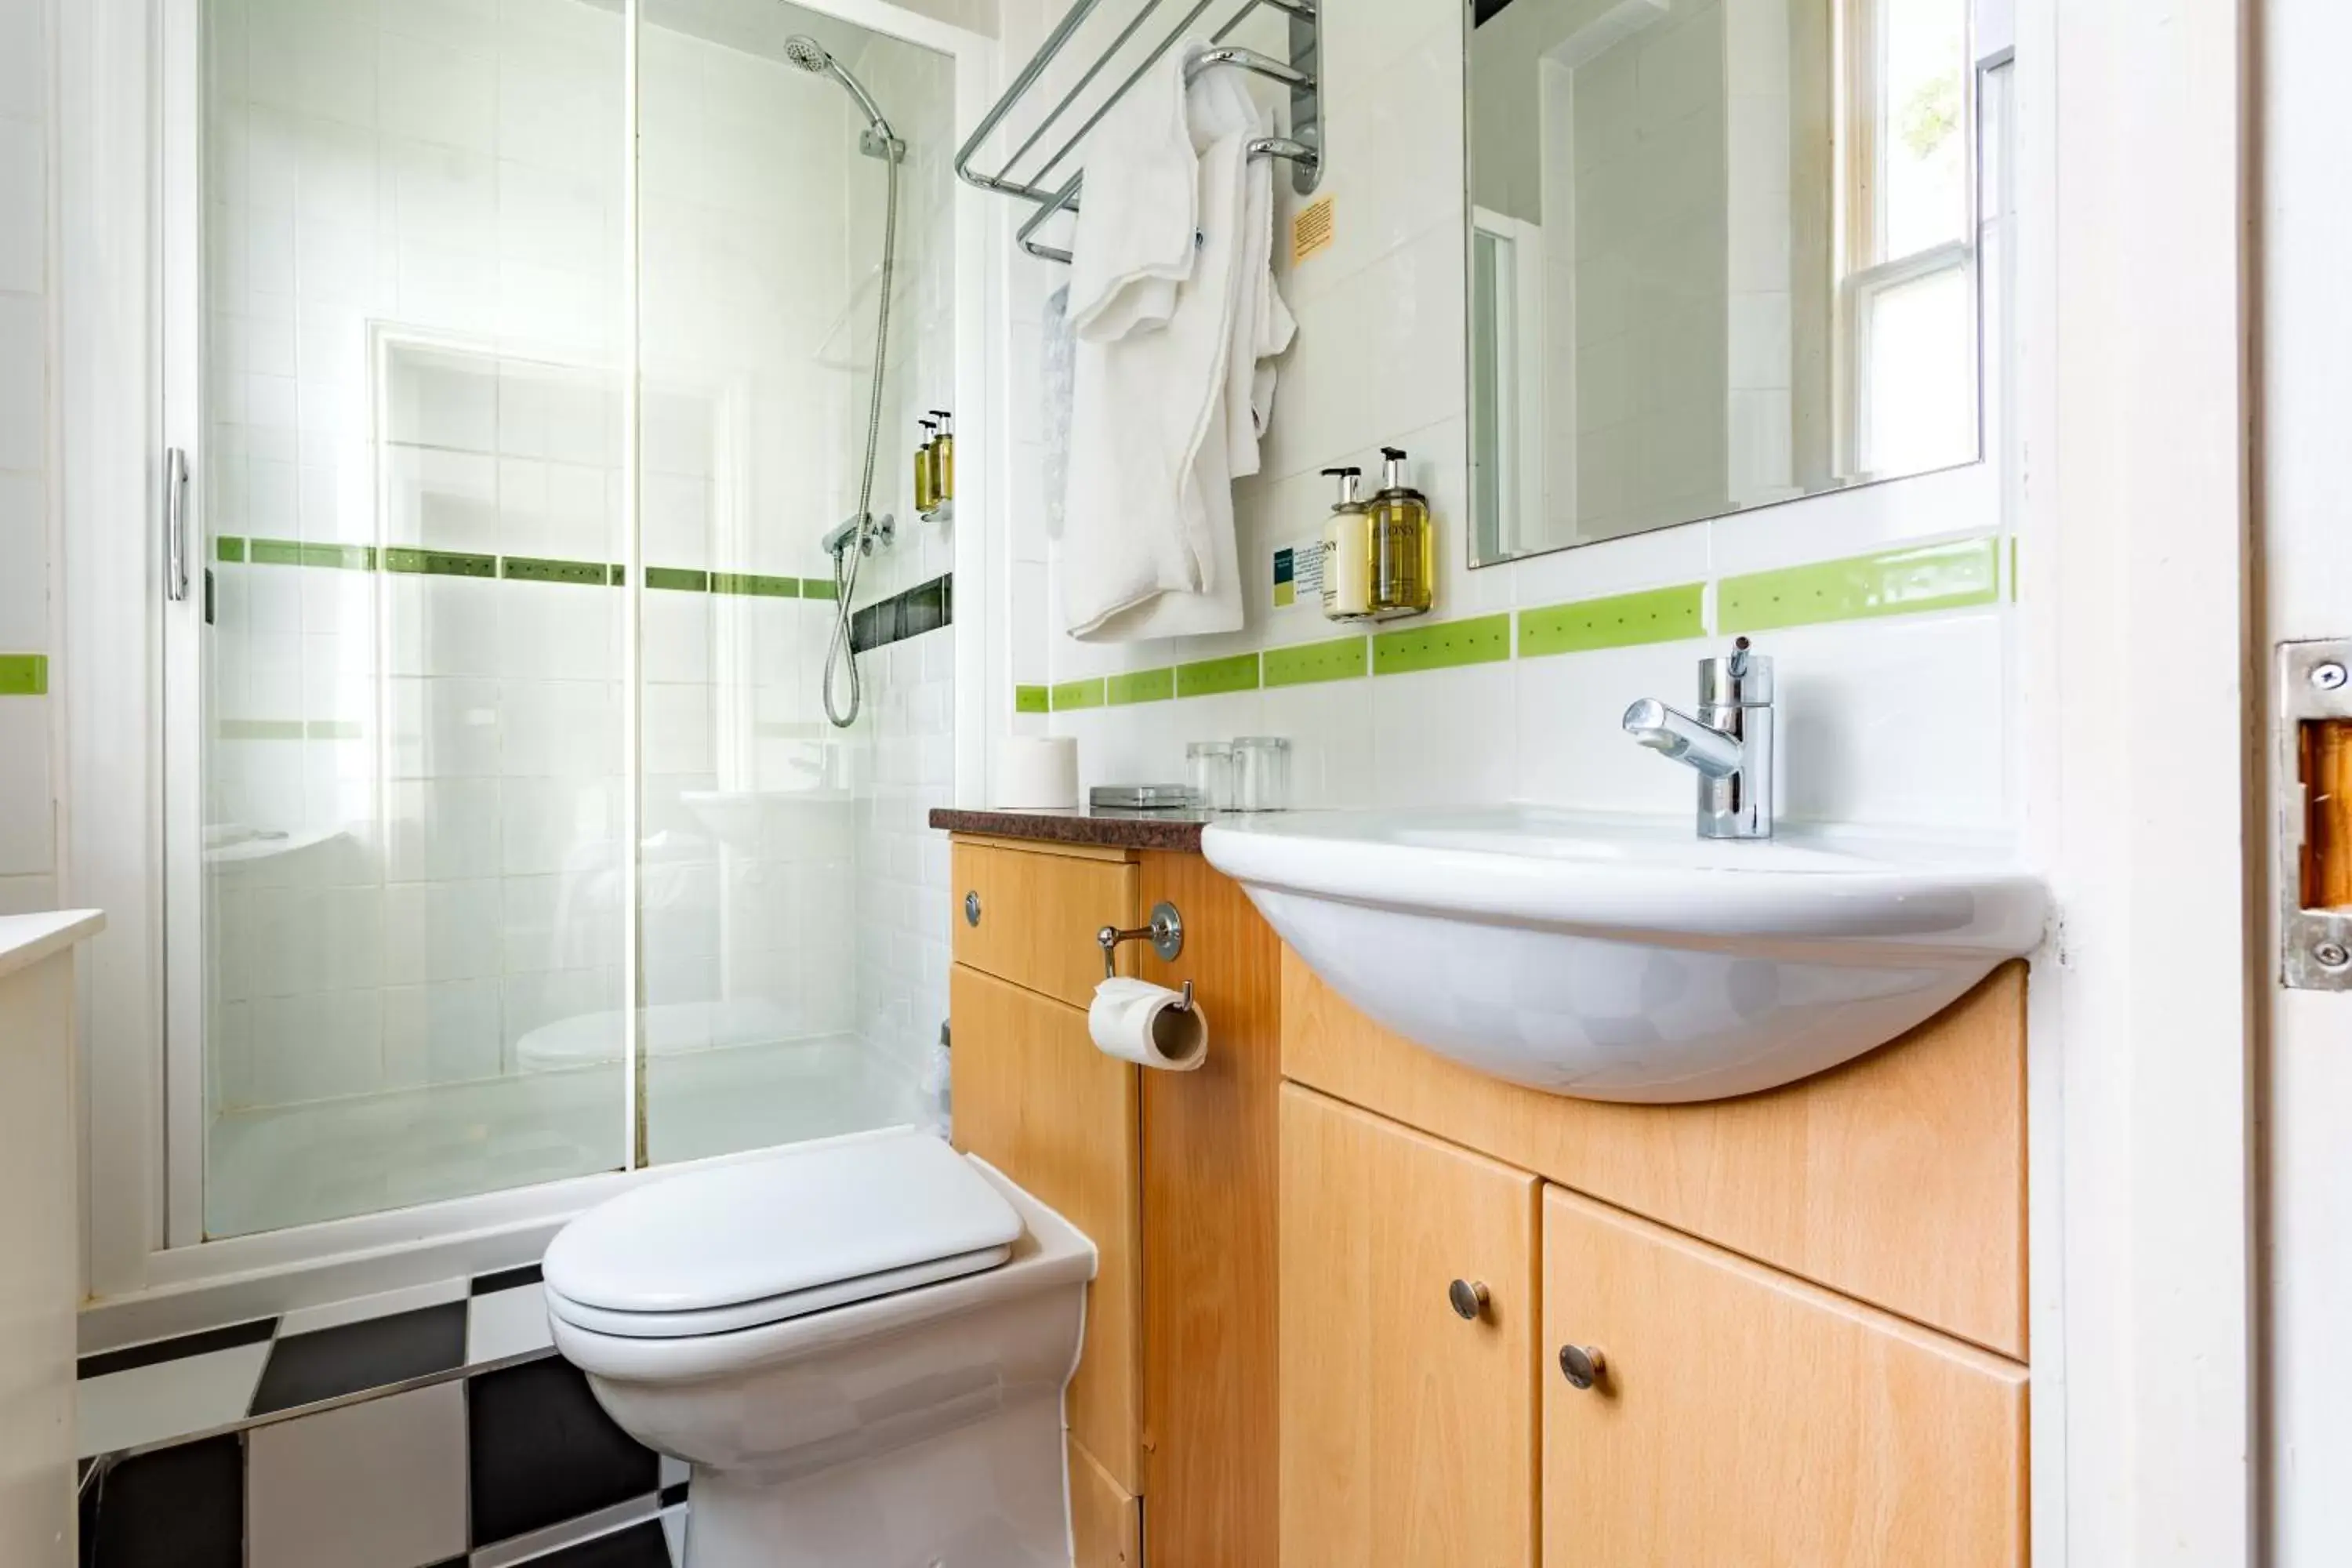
1626, 958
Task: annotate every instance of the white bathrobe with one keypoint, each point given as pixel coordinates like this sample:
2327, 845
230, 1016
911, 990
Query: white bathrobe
1165, 416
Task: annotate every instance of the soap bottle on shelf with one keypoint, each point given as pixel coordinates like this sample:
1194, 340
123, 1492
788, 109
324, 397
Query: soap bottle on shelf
1403, 544
1347, 550
927, 494
944, 459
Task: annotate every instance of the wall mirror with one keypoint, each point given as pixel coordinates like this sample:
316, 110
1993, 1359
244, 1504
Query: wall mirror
1723, 254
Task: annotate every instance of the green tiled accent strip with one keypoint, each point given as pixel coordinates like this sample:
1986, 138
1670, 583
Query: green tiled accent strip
1341, 658
751, 587
1032, 700
1141, 686
1894, 582
24, 674
409, 560
528, 569
439, 562
1072, 694
1661, 615
1213, 677
1445, 646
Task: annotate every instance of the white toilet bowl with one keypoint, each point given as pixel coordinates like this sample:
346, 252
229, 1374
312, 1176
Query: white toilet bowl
860, 1346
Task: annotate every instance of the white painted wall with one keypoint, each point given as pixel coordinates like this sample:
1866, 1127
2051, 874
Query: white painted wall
28, 489
2306, 537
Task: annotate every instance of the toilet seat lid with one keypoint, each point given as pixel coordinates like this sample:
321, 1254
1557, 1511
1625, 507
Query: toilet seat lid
785, 1224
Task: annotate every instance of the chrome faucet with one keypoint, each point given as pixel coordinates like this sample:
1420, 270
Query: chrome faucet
1729, 745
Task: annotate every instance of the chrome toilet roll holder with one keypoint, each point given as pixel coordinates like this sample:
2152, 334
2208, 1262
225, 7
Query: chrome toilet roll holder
1166, 935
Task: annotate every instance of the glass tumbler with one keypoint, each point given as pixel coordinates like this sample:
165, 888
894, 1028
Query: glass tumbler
1208, 769
1261, 774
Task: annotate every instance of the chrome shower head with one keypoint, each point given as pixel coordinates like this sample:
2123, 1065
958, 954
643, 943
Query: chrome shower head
807, 53
817, 60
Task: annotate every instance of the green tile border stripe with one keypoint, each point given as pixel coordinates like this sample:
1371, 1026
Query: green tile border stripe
533, 569
1140, 686
678, 579
1032, 700
1308, 663
1621, 620
1216, 677
439, 562
229, 547
819, 588
293, 552
1073, 694
748, 584
1448, 645
1861, 588
24, 674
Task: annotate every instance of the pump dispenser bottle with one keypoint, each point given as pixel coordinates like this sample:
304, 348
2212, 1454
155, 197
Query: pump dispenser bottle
944, 459
1347, 550
1402, 543
927, 495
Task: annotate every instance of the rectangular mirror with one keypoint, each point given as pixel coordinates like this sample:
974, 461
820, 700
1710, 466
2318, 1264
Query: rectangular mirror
1723, 254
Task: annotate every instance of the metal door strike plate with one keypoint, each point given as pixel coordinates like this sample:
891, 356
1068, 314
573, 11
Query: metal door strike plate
2314, 767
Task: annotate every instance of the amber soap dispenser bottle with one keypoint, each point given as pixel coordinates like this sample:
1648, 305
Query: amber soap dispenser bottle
1403, 544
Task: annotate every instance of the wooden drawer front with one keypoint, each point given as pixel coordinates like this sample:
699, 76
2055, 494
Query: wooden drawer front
1744, 1416
1898, 1178
1408, 1434
1034, 1098
1039, 912
1105, 1522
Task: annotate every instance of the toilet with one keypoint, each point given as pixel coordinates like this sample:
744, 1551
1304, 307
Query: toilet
860, 1346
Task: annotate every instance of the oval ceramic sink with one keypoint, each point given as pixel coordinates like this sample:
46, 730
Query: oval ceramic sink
1626, 958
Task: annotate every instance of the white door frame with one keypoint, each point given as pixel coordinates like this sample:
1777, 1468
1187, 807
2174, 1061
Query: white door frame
2136, 690
129, 187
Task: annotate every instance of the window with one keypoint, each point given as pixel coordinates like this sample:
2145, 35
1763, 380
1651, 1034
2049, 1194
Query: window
1907, 284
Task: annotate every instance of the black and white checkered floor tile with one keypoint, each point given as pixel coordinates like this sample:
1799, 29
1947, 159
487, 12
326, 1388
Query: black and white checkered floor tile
421, 1429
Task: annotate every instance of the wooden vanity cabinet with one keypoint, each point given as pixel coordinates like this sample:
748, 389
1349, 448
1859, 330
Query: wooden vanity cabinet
1744, 1416
1408, 1429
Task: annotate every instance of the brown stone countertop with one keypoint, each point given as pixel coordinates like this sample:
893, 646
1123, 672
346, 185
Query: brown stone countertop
1176, 830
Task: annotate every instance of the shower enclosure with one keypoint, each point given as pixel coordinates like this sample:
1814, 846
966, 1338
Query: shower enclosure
534, 352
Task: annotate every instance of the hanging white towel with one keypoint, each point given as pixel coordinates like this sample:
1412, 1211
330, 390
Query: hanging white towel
1161, 420
1134, 240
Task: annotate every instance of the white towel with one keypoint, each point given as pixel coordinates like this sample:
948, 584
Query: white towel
1133, 242
1162, 420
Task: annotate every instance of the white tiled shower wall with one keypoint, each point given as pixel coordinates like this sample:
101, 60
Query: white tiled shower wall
27, 836
1895, 722
453, 171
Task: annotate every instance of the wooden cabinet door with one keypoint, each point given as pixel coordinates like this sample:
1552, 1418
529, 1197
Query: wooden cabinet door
1034, 1098
1408, 1433
1745, 1418
1039, 909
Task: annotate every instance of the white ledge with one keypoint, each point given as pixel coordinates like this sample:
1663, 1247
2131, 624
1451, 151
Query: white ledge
26, 940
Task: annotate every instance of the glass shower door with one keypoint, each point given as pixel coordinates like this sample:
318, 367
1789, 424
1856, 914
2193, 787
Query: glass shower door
411, 462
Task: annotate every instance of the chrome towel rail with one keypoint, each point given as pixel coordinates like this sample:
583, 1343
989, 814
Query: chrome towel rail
1029, 172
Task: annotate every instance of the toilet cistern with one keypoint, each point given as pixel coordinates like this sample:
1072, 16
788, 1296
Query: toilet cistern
1729, 745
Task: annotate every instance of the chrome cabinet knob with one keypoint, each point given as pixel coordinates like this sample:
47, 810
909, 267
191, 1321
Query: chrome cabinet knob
1583, 1365
972, 908
1468, 1299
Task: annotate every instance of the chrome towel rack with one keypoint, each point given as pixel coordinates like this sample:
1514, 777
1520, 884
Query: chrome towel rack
1033, 171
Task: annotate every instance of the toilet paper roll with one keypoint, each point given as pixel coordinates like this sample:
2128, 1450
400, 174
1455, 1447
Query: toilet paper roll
1037, 773
1138, 1022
